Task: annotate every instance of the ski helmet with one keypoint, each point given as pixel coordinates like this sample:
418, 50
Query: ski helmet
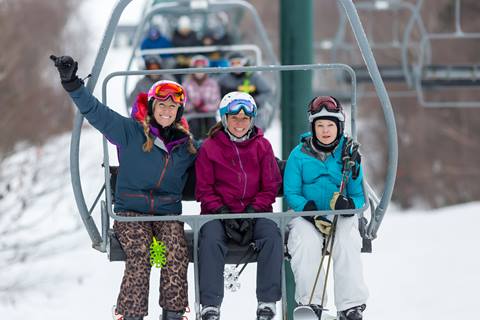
152, 62
199, 61
235, 101
238, 59
326, 108
164, 89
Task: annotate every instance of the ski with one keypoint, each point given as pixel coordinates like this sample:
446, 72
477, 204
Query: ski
307, 313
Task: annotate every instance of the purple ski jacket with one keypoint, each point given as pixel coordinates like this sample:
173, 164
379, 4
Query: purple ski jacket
236, 174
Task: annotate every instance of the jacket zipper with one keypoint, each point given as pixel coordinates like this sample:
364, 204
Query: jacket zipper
163, 172
152, 199
244, 173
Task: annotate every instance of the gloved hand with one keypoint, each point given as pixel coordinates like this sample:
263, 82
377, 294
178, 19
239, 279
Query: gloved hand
310, 206
250, 209
246, 228
222, 210
340, 202
232, 231
323, 224
67, 68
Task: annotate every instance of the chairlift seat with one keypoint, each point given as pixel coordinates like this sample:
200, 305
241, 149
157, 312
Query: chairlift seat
450, 75
390, 73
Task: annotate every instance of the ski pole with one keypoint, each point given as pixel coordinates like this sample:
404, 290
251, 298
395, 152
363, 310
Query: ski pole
331, 236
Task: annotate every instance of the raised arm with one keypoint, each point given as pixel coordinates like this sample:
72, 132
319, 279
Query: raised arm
114, 126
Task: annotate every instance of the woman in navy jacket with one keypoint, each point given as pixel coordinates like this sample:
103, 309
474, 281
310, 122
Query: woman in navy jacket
154, 152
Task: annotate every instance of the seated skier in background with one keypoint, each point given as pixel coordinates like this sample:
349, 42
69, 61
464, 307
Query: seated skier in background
155, 153
203, 98
237, 172
152, 62
312, 179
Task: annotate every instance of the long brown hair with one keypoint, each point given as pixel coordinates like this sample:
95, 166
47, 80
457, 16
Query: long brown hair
217, 127
148, 145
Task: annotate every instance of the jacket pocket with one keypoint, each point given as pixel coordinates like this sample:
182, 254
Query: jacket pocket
135, 201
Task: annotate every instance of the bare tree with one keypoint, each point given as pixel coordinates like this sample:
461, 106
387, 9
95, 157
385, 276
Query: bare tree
32, 108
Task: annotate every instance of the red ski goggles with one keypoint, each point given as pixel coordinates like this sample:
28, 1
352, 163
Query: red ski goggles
321, 102
166, 90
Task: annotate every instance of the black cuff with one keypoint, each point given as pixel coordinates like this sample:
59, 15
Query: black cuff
310, 206
72, 85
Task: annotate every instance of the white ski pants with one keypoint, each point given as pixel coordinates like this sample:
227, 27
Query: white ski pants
305, 245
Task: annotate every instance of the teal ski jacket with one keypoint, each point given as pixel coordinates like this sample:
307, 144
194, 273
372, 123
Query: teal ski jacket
307, 177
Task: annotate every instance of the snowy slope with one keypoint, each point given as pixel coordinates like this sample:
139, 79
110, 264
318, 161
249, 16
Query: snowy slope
424, 266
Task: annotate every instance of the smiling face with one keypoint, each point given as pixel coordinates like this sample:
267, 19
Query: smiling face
326, 131
238, 124
165, 111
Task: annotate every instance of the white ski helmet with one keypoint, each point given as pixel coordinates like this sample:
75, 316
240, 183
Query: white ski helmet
235, 101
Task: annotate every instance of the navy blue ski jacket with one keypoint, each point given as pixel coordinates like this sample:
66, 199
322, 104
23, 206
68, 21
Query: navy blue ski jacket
147, 182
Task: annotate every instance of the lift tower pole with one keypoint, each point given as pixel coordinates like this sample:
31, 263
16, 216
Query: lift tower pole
296, 45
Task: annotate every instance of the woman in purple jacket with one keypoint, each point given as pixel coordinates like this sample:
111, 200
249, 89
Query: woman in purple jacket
237, 172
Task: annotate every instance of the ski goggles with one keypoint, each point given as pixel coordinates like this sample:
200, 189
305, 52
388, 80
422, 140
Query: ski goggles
238, 62
323, 102
234, 107
169, 90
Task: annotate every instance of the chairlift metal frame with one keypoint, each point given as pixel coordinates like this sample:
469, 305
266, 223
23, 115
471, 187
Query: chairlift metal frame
452, 74
99, 242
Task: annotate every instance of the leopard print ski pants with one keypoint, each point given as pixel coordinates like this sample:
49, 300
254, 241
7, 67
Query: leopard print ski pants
135, 238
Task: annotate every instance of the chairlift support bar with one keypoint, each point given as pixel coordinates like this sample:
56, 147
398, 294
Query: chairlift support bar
205, 49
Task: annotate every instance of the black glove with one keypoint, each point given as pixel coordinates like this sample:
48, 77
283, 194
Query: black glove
351, 152
222, 210
310, 206
231, 226
340, 202
250, 209
246, 228
67, 68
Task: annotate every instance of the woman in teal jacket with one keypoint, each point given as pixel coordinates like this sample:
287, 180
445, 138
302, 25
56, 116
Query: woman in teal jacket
154, 152
312, 179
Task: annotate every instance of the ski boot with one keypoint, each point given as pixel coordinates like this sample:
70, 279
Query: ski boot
173, 315
354, 313
266, 310
211, 313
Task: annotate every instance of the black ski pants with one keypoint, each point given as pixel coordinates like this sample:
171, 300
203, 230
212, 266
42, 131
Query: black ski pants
213, 250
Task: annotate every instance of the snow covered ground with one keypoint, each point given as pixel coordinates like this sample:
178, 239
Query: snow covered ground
425, 263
